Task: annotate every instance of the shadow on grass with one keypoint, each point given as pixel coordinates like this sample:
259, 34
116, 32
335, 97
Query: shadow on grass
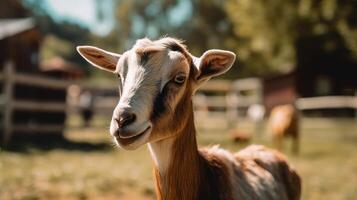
315, 155
30, 144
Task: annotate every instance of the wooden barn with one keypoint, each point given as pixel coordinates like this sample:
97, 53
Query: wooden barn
32, 95
326, 67
307, 82
58, 67
278, 90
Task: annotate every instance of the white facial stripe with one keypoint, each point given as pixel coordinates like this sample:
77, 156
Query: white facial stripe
140, 82
138, 90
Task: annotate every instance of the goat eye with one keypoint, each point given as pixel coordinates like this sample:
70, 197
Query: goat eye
180, 78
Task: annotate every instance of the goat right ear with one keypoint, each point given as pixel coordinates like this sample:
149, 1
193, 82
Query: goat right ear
99, 58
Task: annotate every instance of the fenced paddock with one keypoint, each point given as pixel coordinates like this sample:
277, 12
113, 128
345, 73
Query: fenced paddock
89, 167
11, 79
11, 104
219, 103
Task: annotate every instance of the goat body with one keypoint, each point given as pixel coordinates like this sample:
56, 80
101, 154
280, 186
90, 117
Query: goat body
284, 122
157, 82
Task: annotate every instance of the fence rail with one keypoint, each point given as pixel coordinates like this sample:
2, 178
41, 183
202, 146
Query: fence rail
39, 106
36, 129
327, 102
215, 96
103, 105
35, 80
217, 86
10, 78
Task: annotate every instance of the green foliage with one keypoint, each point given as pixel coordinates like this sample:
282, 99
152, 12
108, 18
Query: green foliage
54, 46
60, 37
268, 36
202, 24
269, 32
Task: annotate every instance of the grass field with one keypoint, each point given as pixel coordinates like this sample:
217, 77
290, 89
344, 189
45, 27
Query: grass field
88, 166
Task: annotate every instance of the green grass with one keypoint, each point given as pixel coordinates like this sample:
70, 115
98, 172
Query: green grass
89, 167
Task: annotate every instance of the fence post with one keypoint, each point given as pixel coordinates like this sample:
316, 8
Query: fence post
231, 108
260, 95
8, 91
355, 106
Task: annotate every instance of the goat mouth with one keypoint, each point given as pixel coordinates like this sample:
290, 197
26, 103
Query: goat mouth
136, 138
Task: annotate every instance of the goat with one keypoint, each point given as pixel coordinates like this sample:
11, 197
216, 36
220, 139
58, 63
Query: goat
284, 122
240, 137
157, 82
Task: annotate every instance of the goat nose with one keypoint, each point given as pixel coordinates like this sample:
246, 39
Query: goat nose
125, 118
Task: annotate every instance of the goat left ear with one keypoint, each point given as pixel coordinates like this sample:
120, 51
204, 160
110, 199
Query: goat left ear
99, 58
213, 63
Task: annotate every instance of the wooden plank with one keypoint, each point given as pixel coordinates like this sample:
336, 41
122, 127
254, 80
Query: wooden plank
246, 101
216, 102
216, 86
106, 102
327, 102
247, 84
39, 106
37, 128
2, 100
8, 91
40, 81
100, 85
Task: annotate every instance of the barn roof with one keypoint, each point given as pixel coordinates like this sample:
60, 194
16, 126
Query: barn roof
58, 63
11, 27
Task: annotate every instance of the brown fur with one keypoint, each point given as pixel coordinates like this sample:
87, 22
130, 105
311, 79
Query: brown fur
240, 137
204, 174
254, 173
284, 123
182, 172
192, 174
158, 184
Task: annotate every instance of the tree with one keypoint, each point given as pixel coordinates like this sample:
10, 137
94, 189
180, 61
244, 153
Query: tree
203, 24
276, 35
62, 36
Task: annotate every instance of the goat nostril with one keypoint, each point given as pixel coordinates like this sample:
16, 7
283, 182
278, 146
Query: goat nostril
125, 119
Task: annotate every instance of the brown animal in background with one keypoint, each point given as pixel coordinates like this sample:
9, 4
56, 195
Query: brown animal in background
240, 137
157, 81
284, 122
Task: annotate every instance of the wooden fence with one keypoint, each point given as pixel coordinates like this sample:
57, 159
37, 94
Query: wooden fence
325, 102
9, 104
9, 78
226, 98
220, 96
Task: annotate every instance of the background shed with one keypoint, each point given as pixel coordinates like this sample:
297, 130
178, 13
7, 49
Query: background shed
24, 102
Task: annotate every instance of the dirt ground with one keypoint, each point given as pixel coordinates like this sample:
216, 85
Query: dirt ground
88, 166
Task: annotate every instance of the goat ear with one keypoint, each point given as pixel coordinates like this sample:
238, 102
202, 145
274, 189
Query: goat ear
99, 58
213, 63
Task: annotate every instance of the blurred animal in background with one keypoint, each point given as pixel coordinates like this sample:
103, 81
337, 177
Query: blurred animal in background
240, 137
157, 82
86, 104
283, 123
